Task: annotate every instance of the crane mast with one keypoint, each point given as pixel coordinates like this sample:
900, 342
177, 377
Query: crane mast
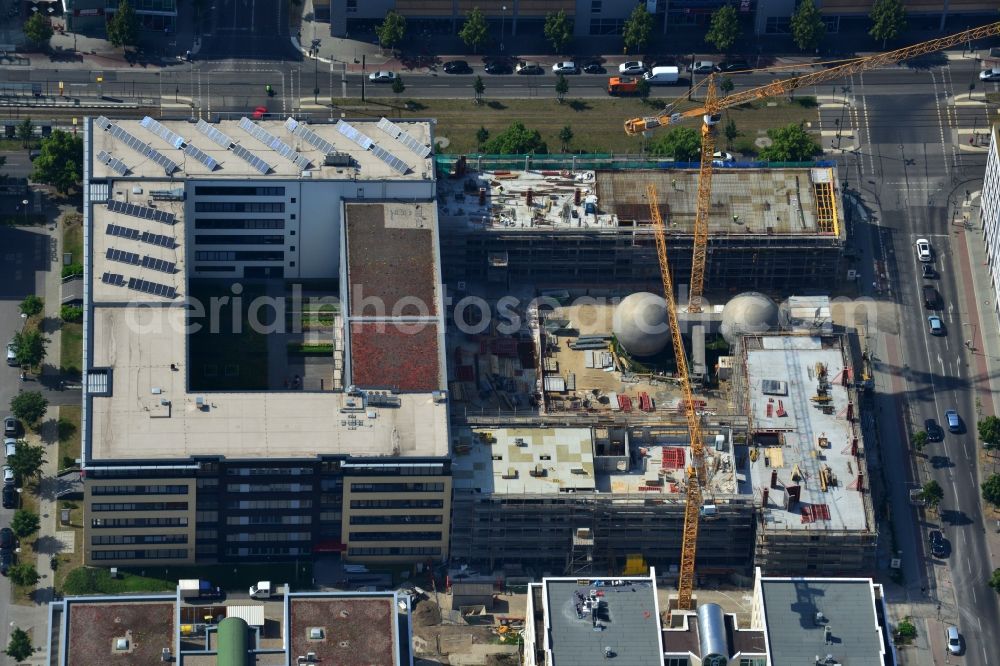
696, 473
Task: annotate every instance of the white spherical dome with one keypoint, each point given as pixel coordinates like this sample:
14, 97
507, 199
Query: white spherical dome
748, 313
640, 324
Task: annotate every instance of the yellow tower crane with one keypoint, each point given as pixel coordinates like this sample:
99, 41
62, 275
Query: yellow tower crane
696, 472
713, 106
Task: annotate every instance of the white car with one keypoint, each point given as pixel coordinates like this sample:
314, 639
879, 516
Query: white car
720, 156
990, 74
954, 640
924, 253
10, 447
564, 68
11, 354
633, 67
8, 475
382, 77
702, 67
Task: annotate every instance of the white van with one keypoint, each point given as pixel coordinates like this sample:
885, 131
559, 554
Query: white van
663, 76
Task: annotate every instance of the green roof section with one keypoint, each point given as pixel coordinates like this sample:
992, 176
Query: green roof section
232, 642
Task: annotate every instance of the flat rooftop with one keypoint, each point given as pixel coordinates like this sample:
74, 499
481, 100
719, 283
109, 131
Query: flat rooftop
811, 435
93, 629
357, 631
371, 150
795, 201
140, 344
848, 607
628, 615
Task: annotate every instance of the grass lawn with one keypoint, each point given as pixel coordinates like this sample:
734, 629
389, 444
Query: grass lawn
597, 124
90, 580
236, 576
66, 562
69, 435
73, 237
29, 502
71, 353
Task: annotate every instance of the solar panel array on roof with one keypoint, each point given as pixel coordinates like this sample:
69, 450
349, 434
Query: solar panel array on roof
354, 135
258, 164
215, 135
300, 130
157, 239
153, 288
123, 256
113, 163
113, 278
404, 137
201, 156
123, 232
103, 122
273, 142
397, 164
141, 212
143, 149
158, 264
159, 130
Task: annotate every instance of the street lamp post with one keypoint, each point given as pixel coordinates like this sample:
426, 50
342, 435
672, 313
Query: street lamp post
503, 16
24, 204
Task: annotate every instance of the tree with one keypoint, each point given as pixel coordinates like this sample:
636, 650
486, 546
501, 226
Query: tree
516, 140
888, 20
991, 490
790, 143
29, 346
19, 648
566, 137
807, 25
392, 30
730, 132
562, 87
25, 523
638, 28
932, 493
725, 28
482, 136
474, 31
681, 143
29, 406
995, 580
397, 85
558, 30
31, 305
61, 161
479, 87
643, 88
989, 432
27, 460
726, 86
72, 314
123, 26
26, 132
24, 574
906, 629
38, 29
919, 440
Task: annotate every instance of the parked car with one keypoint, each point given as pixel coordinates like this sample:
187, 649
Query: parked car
565, 68
954, 423
11, 427
702, 67
924, 252
933, 430
722, 156
259, 113
11, 354
457, 67
9, 447
594, 67
10, 497
529, 68
382, 76
498, 67
6, 561
954, 640
733, 66
939, 545
992, 74
927, 272
935, 325
931, 299
633, 67
8, 475
7, 540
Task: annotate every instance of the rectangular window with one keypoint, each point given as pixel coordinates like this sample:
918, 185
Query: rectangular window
120, 539
238, 191
139, 506
777, 25
609, 26
235, 223
397, 504
396, 550
395, 536
163, 554
138, 522
396, 520
140, 490
216, 269
397, 487
219, 239
352, 6
239, 207
248, 255
595, 6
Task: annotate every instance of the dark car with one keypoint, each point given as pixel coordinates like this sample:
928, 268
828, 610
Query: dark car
934, 432
457, 67
6, 561
927, 271
498, 67
939, 545
9, 497
11, 427
7, 540
733, 66
594, 67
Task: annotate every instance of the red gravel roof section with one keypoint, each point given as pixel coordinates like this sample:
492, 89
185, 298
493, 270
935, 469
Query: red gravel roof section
93, 627
357, 631
394, 355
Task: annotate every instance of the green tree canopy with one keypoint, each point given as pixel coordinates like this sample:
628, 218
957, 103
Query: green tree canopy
29, 346
807, 26
638, 28
730, 132
991, 490
397, 85
888, 20
726, 85
643, 87
71, 313
60, 163
482, 136
392, 30
516, 140
479, 87
558, 30
919, 440
27, 460
25, 523
562, 87
475, 31
790, 143
566, 137
26, 132
38, 29
123, 26
725, 28
19, 648
31, 305
989, 432
29, 406
681, 143
932, 493
995, 580
24, 574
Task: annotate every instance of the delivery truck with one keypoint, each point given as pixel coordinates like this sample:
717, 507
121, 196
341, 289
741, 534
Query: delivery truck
663, 76
623, 85
195, 588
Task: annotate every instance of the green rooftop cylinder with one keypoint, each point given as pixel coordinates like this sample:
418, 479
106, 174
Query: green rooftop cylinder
232, 637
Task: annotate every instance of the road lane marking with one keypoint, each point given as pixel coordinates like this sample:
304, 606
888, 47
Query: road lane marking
937, 106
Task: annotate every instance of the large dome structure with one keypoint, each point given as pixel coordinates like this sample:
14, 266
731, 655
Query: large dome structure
640, 324
748, 313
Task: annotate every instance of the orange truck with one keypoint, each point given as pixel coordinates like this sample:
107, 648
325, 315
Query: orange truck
623, 85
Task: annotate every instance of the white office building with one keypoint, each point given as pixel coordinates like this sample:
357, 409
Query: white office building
990, 212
